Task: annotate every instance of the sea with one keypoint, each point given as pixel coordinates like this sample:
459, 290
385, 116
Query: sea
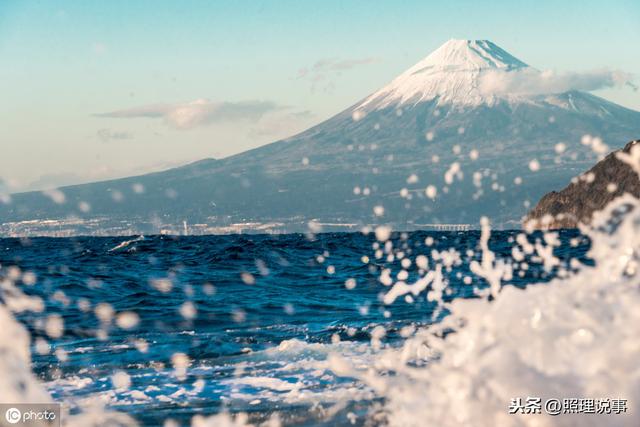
164, 328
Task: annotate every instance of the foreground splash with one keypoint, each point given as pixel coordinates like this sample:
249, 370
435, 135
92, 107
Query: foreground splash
569, 348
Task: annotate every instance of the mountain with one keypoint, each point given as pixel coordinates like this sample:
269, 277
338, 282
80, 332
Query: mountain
463, 123
452, 74
590, 192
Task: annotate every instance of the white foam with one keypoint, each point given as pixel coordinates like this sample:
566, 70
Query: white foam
126, 243
577, 337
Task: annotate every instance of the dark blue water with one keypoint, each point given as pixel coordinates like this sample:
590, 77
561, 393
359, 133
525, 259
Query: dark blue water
268, 311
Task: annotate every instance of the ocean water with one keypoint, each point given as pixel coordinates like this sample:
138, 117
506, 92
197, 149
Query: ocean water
169, 327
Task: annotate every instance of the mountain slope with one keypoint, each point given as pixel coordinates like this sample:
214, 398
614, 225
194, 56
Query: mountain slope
438, 124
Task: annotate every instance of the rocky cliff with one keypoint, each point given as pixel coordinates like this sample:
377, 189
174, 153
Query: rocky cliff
586, 194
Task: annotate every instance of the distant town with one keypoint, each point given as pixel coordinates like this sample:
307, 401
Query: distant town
109, 227
74, 226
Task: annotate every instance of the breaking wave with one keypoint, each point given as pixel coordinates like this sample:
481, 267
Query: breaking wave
577, 337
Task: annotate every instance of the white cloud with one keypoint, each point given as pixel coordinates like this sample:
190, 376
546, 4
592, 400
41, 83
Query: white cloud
282, 124
326, 68
530, 81
334, 65
199, 112
99, 48
107, 135
50, 181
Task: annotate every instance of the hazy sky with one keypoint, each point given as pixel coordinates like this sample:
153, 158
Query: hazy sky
91, 90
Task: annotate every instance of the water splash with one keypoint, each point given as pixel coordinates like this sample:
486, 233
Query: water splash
577, 337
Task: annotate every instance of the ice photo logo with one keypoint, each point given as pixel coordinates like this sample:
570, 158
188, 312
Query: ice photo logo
13, 415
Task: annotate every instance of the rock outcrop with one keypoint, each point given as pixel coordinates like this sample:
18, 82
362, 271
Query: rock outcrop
587, 193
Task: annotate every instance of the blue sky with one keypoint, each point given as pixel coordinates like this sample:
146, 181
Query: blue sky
70, 65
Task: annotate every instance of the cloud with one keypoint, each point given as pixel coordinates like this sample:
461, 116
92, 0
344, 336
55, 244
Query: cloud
199, 112
99, 48
55, 180
97, 173
531, 81
107, 135
334, 65
323, 69
280, 125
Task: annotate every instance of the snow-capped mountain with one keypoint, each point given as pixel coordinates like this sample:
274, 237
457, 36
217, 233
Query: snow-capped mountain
468, 131
452, 74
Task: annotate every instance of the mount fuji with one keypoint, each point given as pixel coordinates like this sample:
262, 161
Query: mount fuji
466, 132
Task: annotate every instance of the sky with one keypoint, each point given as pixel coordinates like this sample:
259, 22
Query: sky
95, 90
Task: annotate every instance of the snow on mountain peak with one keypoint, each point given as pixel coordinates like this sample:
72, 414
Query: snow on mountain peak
468, 55
451, 73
